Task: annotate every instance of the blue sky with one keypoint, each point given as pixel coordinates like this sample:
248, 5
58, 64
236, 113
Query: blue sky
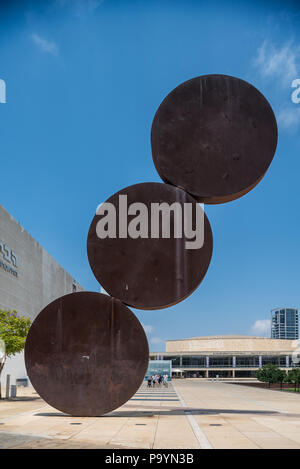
84, 79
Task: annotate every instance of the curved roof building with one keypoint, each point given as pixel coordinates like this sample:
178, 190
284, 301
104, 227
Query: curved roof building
228, 356
229, 343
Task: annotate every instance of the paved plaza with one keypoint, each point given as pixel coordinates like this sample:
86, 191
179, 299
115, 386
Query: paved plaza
190, 413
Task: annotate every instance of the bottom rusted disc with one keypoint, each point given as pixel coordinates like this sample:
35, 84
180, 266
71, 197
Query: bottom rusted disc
86, 354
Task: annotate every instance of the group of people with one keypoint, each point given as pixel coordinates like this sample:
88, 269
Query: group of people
157, 380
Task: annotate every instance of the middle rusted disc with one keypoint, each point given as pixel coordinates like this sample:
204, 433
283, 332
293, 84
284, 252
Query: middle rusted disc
149, 272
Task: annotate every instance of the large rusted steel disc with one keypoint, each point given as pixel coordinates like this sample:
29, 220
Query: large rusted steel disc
86, 354
149, 272
214, 136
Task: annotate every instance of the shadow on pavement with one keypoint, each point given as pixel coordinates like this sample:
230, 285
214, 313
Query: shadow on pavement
166, 411
21, 398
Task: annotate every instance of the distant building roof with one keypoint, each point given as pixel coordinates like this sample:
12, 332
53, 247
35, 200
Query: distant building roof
236, 336
231, 343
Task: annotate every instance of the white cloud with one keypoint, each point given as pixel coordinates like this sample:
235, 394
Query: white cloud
148, 328
289, 116
262, 327
281, 62
156, 340
280, 66
44, 44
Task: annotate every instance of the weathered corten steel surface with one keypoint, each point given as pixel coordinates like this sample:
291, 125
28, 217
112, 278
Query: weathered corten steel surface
86, 354
214, 136
149, 273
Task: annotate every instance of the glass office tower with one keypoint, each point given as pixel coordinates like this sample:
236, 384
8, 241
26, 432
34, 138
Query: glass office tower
284, 323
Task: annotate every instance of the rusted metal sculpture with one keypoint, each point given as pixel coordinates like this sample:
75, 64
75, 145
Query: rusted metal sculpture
86, 354
214, 136
147, 272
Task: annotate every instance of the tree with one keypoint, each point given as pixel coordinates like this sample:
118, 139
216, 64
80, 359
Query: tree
270, 374
293, 376
13, 332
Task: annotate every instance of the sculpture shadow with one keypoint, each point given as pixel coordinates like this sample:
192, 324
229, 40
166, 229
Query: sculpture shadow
170, 412
21, 398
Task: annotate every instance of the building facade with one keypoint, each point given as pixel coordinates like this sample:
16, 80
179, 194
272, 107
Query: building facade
284, 323
229, 356
29, 279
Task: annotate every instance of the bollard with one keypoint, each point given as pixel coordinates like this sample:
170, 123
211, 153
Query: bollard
7, 386
13, 390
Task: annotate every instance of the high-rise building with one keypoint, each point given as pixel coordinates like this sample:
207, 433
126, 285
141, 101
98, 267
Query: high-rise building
284, 323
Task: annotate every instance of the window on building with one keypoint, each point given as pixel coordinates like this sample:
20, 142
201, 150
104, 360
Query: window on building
247, 361
272, 359
282, 360
175, 360
193, 361
220, 361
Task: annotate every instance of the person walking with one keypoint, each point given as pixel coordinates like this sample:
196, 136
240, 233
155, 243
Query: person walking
149, 381
165, 380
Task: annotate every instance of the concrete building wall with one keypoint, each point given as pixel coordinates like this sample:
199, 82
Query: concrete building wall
29, 279
230, 344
